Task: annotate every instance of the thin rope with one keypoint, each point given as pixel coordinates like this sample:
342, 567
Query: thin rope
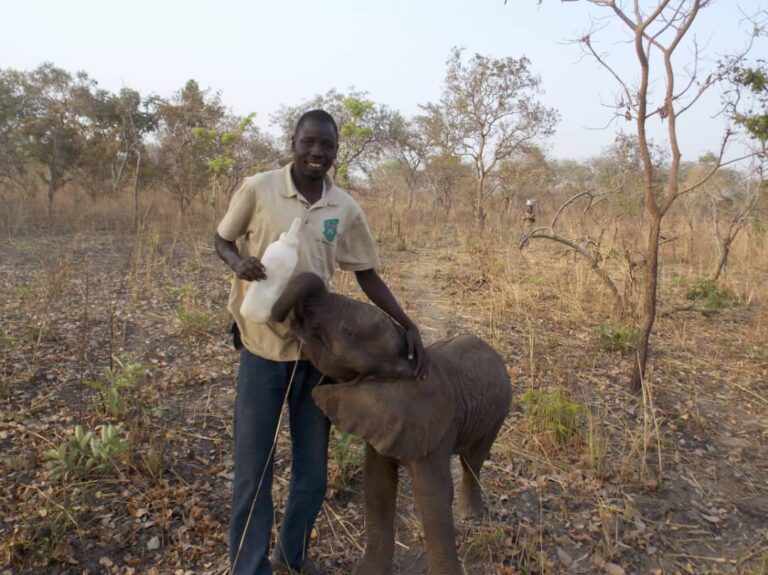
266, 464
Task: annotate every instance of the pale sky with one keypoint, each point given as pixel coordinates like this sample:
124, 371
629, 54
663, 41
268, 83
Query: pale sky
260, 54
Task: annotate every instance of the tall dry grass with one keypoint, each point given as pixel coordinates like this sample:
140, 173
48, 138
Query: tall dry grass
541, 307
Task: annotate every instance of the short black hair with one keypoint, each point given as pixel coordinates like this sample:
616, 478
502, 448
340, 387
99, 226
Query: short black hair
318, 116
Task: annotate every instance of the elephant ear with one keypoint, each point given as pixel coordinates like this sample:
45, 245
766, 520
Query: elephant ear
400, 418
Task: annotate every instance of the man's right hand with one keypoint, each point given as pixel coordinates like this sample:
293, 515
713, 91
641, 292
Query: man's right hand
250, 269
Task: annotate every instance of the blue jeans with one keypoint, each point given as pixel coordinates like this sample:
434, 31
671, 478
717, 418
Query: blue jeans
261, 389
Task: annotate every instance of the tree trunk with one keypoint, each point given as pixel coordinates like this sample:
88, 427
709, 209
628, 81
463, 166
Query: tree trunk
214, 203
52, 174
480, 207
725, 251
51, 190
118, 177
649, 303
136, 191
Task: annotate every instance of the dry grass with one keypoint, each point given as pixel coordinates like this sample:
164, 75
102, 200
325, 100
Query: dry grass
673, 480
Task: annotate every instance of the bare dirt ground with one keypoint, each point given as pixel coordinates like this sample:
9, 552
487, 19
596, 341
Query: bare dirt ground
673, 481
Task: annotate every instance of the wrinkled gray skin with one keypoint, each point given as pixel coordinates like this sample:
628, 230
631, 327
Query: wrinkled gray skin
417, 423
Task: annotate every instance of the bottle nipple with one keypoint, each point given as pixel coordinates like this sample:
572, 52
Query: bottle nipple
293, 232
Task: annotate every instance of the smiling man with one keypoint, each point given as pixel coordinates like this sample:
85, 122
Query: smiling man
334, 234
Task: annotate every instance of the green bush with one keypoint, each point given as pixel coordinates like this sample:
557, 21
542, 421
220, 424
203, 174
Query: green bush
194, 322
89, 453
6, 341
346, 456
551, 412
712, 297
21, 292
614, 336
125, 376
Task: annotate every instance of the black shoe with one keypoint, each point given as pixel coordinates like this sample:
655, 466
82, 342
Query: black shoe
309, 567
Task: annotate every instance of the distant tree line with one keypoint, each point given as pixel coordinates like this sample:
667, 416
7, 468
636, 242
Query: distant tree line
481, 146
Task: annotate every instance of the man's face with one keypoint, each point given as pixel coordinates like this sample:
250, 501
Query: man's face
314, 148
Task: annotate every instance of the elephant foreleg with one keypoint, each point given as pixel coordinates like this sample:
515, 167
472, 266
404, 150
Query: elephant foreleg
380, 486
433, 488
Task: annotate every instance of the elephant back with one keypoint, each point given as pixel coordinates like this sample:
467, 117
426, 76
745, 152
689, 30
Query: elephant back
481, 386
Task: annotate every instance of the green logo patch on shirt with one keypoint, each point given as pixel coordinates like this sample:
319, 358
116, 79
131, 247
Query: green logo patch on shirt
330, 228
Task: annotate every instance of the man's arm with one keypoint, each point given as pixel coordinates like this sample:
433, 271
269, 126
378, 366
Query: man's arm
250, 268
378, 292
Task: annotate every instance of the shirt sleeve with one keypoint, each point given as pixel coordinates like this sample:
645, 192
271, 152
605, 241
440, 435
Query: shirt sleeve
235, 222
356, 249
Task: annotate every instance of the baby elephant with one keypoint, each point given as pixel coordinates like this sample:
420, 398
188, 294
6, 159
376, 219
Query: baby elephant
417, 423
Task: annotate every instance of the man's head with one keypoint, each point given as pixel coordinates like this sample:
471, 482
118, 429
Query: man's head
314, 144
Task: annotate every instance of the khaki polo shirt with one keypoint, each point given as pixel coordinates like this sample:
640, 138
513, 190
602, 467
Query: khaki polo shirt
334, 232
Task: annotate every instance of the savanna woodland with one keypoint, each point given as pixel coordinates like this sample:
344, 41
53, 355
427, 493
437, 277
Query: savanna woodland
627, 294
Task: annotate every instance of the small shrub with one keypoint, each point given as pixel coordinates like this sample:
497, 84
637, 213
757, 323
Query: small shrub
21, 292
712, 297
483, 543
194, 322
756, 352
89, 454
41, 531
6, 341
552, 413
346, 456
125, 376
185, 291
616, 337
677, 280
37, 333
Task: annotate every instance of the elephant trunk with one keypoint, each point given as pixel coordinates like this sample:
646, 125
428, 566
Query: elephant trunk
302, 288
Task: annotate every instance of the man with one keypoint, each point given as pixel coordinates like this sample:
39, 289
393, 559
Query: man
334, 233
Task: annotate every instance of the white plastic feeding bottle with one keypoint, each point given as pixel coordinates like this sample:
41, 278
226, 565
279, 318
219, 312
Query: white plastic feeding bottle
279, 261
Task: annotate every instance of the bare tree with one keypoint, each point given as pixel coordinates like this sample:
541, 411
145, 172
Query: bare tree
138, 118
753, 184
657, 33
487, 111
408, 146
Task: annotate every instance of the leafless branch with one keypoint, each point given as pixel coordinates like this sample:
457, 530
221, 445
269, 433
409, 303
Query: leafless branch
586, 41
594, 259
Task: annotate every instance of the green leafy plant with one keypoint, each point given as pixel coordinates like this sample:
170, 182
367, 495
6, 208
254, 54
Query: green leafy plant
552, 413
89, 453
346, 456
194, 322
125, 376
484, 543
615, 336
21, 292
711, 295
756, 352
185, 291
42, 529
6, 341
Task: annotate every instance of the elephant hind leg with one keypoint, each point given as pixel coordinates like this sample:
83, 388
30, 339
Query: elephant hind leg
470, 493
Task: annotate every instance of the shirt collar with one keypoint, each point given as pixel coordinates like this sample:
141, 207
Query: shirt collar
330, 197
